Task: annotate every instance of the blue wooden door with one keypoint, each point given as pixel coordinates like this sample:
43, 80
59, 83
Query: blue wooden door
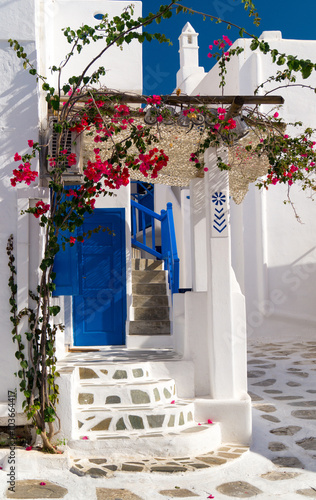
99, 298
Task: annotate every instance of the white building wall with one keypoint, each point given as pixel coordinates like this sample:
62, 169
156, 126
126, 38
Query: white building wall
18, 123
274, 256
36, 24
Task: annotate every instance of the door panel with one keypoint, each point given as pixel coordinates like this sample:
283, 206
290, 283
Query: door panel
99, 310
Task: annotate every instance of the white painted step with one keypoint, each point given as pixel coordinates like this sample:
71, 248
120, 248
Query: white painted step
146, 392
184, 442
136, 420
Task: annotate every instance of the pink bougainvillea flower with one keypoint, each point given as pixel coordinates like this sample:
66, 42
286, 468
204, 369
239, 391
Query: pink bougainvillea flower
159, 118
209, 55
42, 483
172, 402
216, 42
0, 468
276, 114
209, 421
210, 47
210, 496
72, 240
199, 424
30, 143
17, 157
29, 448
41, 208
85, 437
205, 169
227, 40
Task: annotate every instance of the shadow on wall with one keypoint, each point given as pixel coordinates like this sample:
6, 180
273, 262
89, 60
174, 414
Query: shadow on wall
288, 308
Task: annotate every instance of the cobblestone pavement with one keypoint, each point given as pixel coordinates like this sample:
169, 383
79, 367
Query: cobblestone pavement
280, 465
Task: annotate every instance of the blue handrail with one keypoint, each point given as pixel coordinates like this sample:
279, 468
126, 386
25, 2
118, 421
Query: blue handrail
168, 240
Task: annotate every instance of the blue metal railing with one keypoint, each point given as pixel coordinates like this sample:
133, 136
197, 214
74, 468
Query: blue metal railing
168, 239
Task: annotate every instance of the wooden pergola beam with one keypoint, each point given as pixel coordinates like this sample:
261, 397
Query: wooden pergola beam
175, 100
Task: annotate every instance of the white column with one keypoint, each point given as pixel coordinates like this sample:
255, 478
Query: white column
224, 342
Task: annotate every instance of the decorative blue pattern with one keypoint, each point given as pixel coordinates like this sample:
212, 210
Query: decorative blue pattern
219, 222
218, 198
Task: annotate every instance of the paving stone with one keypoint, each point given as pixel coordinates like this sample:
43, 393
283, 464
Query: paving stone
228, 455
308, 355
288, 462
139, 397
212, 460
266, 408
103, 425
239, 489
85, 399
112, 400
273, 391
98, 460
300, 374
132, 468
271, 418
256, 361
287, 398
136, 422
156, 394
293, 384
255, 397
138, 372
77, 471
116, 494
304, 403
199, 466
85, 373
171, 421
167, 394
95, 472
120, 424
111, 467
155, 421
31, 488
120, 374
178, 493
307, 443
269, 365
105, 372
255, 373
168, 468
305, 414
311, 391
276, 446
286, 431
307, 492
265, 383
181, 419
280, 476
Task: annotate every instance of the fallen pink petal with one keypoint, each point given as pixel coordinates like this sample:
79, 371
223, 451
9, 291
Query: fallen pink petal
42, 484
209, 421
172, 402
29, 448
84, 437
210, 496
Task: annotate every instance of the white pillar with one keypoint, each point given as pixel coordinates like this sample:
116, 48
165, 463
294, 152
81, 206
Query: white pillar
226, 313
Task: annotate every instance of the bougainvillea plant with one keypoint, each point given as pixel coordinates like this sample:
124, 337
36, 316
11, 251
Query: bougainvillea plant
122, 143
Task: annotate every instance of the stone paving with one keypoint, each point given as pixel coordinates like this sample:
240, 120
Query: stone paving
281, 463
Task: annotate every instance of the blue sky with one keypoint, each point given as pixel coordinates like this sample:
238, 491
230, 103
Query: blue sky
161, 62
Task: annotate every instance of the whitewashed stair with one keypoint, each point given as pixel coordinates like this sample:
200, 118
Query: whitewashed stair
150, 299
121, 410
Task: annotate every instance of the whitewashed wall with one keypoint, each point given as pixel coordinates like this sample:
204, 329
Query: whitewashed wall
274, 256
36, 25
18, 123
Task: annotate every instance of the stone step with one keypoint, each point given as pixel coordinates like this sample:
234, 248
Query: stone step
149, 289
140, 419
143, 264
147, 313
150, 301
146, 392
148, 276
149, 327
113, 373
184, 442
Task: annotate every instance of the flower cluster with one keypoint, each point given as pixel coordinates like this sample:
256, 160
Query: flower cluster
153, 162
23, 173
220, 44
40, 209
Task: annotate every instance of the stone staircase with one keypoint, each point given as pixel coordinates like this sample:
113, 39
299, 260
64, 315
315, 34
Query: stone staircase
150, 298
121, 409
